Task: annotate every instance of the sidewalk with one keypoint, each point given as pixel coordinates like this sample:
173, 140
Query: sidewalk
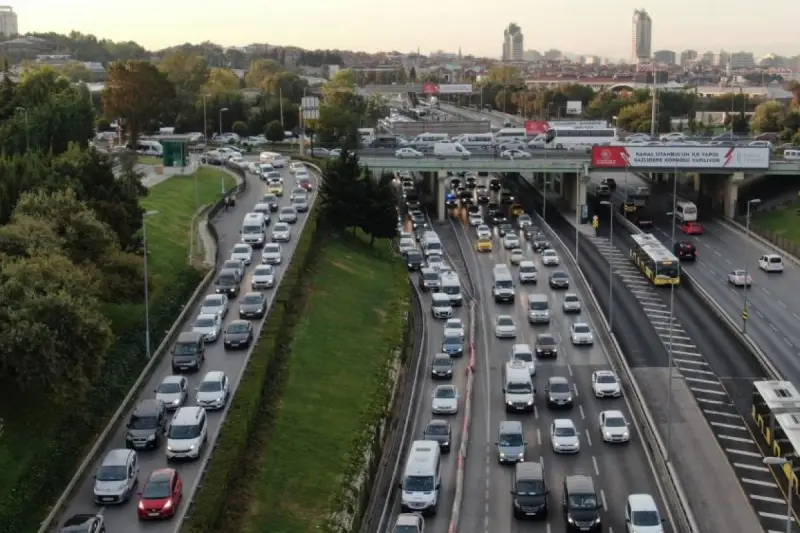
207, 241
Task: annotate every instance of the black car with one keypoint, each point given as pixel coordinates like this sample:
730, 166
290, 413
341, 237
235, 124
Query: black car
253, 305
417, 219
414, 260
612, 184
465, 194
504, 228
506, 198
494, 184
439, 431
539, 242
84, 523
685, 251
559, 280
238, 334
472, 183
146, 426
483, 195
474, 210
493, 206
441, 366
546, 345
468, 201
455, 183
227, 282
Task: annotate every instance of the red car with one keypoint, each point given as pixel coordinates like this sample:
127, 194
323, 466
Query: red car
304, 183
161, 495
692, 228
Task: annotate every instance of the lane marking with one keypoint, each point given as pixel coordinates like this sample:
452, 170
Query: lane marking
583, 415
603, 497
775, 516
596, 468
683, 352
698, 371
731, 426
743, 452
751, 467
758, 482
706, 381
588, 437
737, 439
769, 499
715, 402
722, 413
689, 362
708, 391
539, 436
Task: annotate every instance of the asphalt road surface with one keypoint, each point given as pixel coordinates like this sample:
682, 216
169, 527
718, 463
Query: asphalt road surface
123, 518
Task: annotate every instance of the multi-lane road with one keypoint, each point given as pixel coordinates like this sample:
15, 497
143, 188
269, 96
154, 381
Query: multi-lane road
123, 518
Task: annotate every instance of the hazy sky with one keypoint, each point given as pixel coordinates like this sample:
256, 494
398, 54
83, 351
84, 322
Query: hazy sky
576, 26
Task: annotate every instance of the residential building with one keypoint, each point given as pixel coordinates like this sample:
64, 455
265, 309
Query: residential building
742, 60
687, 57
513, 43
665, 57
641, 36
8, 22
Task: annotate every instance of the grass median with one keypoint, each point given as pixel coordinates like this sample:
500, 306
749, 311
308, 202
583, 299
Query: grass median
783, 222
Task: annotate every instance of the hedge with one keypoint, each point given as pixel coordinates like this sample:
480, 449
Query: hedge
259, 389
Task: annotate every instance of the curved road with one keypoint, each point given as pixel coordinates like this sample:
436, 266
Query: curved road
123, 518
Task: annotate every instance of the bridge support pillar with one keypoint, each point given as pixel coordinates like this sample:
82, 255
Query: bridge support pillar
440, 195
731, 193
695, 180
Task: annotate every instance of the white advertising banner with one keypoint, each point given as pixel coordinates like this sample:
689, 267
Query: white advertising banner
574, 107
682, 157
455, 88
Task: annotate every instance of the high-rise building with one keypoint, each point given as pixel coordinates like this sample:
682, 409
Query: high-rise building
641, 36
666, 57
742, 60
513, 43
8, 22
688, 56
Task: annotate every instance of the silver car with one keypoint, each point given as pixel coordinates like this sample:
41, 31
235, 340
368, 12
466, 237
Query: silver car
571, 303
445, 400
504, 327
581, 334
263, 277
740, 278
215, 304
297, 192
210, 326
288, 215
510, 442
475, 220
172, 391
564, 437
272, 254
116, 479
300, 204
213, 391
235, 264
510, 241
454, 327
614, 427
484, 232
281, 232
550, 258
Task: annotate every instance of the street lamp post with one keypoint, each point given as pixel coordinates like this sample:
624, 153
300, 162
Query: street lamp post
146, 284
782, 462
610, 262
205, 118
670, 351
750, 203
24, 112
221, 111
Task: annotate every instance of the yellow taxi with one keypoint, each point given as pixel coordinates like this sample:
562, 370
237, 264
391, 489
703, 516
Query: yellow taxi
517, 210
484, 245
275, 188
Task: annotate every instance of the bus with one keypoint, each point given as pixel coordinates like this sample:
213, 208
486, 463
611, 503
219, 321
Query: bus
776, 413
659, 264
581, 139
685, 211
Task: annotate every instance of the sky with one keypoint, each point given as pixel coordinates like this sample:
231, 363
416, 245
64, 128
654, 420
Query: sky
586, 27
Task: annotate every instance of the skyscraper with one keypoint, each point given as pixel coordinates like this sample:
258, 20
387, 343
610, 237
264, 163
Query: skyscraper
641, 36
8, 22
513, 43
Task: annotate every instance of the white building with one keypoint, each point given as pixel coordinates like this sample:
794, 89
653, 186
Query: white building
513, 43
641, 36
8, 22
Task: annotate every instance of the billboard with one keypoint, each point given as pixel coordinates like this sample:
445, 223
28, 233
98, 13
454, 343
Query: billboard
574, 107
535, 127
682, 157
452, 88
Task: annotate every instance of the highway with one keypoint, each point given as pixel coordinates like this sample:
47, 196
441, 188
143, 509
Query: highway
123, 518
618, 470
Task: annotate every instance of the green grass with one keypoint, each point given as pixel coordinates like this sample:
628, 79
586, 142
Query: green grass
149, 160
783, 222
337, 352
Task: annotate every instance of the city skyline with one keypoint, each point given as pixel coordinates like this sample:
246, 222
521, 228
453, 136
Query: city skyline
566, 26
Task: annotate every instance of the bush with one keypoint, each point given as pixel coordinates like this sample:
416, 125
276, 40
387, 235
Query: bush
239, 128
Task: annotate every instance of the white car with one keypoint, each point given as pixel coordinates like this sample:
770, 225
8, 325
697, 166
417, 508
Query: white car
517, 256
252, 167
407, 244
614, 427
581, 334
242, 252
210, 326
510, 241
172, 391
670, 137
454, 327
273, 177
484, 232
281, 232
605, 384
213, 391
571, 303
550, 258
296, 166
445, 400
408, 153
515, 154
770, 263
298, 192
523, 353
740, 278
435, 262
504, 327
564, 437
288, 214
301, 174
524, 221
263, 277
272, 254
215, 304
475, 220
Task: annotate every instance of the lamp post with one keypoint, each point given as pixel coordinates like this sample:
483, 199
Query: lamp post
24, 112
205, 119
146, 284
782, 462
670, 352
221, 111
750, 203
610, 262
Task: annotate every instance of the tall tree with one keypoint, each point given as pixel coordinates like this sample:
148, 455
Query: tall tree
342, 200
221, 82
188, 73
380, 211
138, 93
261, 72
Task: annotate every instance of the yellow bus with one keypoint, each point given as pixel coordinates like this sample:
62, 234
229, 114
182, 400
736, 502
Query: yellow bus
655, 260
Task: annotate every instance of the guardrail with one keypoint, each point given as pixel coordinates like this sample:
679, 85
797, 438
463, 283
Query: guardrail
117, 417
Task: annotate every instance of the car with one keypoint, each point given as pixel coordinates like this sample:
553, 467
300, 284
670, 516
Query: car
558, 392
494, 184
524, 221
510, 442
215, 304
172, 391
273, 176
558, 279
238, 334
435, 262
692, 228
611, 183
209, 326
408, 153
303, 181
482, 194
564, 437
539, 242
770, 263
235, 264
271, 200
275, 188
116, 477
550, 257
213, 391
453, 345
581, 334
418, 220
441, 306
161, 494
504, 327
516, 256
484, 232
614, 426
242, 252
439, 430
297, 192
295, 166
253, 305
475, 220
300, 204
288, 215
414, 260
546, 345
483, 245
84, 523
523, 353
515, 154
454, 327
441, 366
605, 384
504, 228
527, 273
145, 427
740, 278
227, 282
272, 254
571, 303
444, 400
406, 243
685, 250
471, 181
642, 515
281, 232
263, 277
510, 240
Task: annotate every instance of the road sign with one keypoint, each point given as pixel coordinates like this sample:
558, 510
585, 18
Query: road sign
745, 314
310, 107
595, 223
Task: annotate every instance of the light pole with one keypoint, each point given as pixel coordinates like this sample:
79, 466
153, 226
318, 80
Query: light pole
670, 352
610, 262
24, 112
146, 284
205, 119
221, 111
782, 462
750, 203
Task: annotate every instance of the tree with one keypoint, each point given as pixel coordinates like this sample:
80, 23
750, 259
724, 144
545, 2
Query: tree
505, 75
768, 117
239, 128
221, 82
260, 74
274, 131
188, 73
379, 220
412, 74
27, 237
341, 193
76, 72
794, 87
340, 89
138, 93
377, 108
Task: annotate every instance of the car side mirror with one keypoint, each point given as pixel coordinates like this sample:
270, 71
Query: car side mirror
438, 485
513, 492
504, 390
496, 443
662, 520
525, 443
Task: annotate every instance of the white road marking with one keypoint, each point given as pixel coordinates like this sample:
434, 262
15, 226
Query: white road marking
743, 452
757, 482
737, 439
756, 468
583, 415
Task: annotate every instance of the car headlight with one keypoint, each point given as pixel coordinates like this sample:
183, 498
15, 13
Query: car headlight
570, 520
502, 455
151, 437
625, 435
607, 435
597, 520
521, 455
509, 402
529, 402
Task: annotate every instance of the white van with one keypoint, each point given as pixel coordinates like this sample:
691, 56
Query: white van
538, 309
187, 433
451, 286
476, 141
425, 141
153, 148
685, 211
254, 229
518, 389
442, 150
510, 136
421, 478
502, 285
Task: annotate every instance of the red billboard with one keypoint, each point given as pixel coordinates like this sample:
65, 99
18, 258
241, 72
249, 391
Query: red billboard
447, 88
535, 127
430, 88
683, 157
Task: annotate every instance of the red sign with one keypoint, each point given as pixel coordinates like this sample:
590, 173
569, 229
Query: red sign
430, 88
535, 127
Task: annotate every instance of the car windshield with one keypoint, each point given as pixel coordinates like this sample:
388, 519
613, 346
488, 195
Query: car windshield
452, 339
546, 341
241, 249
226, 279
539, 306
442, 361
529, 488
615, 422
505, 321
112, 473
204, 323
269, 199
549, 253
272, 248
645, 518
143, 422
171, 387
527, 268
559, 387
188, 348
238, 327
287, 211
298, 200
184, 432
436, 429
156, 490
418, 484
213, 301
414, 256
510, 439
565, 431
445, 393
571, 299
210, 386
519, 388
523, 356
559, 275
606, 378
581, 329
232, 263
263, 271
430, 276
252, 299
583, 501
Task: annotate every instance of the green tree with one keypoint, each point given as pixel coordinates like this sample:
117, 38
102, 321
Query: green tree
27, 237
76, 72
187, 73
340, 90
768, 117
342, 201
379, 219
259, 75
239, 128
505, 75
286, 85
274, 131
221, 82
377, 108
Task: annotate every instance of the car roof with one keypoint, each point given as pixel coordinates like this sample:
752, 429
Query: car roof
173, 379
116, 457
510, 426
214, 297
563, 423
505, 316
558, 379
206, 315
575, 324
147, 406
642, 502
605, 373
214, 375
438, 422
445, 387
613, 413
521, 347
162, 474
